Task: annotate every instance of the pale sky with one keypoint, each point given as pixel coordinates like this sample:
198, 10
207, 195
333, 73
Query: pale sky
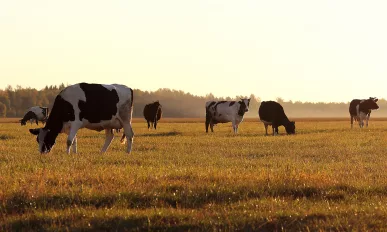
308, 50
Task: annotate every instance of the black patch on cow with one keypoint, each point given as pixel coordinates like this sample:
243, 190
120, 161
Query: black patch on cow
242, 108
219, 102
232, 103
100, 104
29, 115
62, 111
271, 111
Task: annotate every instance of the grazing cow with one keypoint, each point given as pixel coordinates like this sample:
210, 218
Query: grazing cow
92, 106
152, 113
360, 109
226, 111
35, 113
272, 113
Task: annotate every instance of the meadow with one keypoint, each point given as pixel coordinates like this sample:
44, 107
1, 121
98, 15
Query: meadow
327, 177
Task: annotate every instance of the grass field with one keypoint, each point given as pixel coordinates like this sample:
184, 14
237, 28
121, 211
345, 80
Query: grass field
327, 177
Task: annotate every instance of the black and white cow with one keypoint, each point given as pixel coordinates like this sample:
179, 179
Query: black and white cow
152, 113
92, 106
360, 109
35, 113
272, 113
226, 111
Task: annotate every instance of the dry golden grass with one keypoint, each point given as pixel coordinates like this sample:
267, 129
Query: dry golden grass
327, 177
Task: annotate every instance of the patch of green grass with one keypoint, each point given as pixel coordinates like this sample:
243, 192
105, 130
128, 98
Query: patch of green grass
179, 178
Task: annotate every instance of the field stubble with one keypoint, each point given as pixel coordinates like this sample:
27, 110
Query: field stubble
327, 177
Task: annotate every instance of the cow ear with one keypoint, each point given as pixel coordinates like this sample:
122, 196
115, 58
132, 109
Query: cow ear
35, 131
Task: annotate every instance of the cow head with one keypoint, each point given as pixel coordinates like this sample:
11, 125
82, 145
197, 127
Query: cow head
156, 104
290, 127
244, 106
375, 99
45, 139
370, 104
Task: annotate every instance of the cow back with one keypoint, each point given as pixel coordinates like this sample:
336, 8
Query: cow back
271, 110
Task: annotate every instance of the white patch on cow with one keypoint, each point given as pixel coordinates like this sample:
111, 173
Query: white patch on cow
37, 110
361, 117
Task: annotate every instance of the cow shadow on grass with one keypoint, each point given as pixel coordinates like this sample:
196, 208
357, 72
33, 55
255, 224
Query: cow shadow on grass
170, 223
6, 137
160, 134
20, 203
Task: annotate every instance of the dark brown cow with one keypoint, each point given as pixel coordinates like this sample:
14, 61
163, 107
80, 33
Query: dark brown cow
152, 113
360, 109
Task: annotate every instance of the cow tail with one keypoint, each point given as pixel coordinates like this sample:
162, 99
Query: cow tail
208, 118
131, 92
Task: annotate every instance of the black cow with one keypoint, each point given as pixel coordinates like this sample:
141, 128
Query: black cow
152, 113
272, 113
35, 113
360, 109
92, 106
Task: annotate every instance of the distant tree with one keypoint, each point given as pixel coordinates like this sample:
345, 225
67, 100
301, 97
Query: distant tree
3, 110
280, 100
175, 103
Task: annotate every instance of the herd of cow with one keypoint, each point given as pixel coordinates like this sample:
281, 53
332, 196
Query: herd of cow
110, 107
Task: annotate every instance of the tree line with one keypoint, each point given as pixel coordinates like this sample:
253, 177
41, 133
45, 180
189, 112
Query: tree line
175, 103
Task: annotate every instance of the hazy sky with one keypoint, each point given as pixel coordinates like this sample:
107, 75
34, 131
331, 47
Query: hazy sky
328, 50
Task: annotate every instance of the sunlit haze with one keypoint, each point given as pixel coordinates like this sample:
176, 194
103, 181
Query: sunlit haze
298, 50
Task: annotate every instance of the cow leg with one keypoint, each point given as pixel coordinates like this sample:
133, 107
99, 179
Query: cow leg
351, 121
206, 126
234, 127
155, 123
148, 124
361, 120
72, 134
109, 138
208, 120
128, 131
75, 145
212, 126
367, 119
266, 125
275, 130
